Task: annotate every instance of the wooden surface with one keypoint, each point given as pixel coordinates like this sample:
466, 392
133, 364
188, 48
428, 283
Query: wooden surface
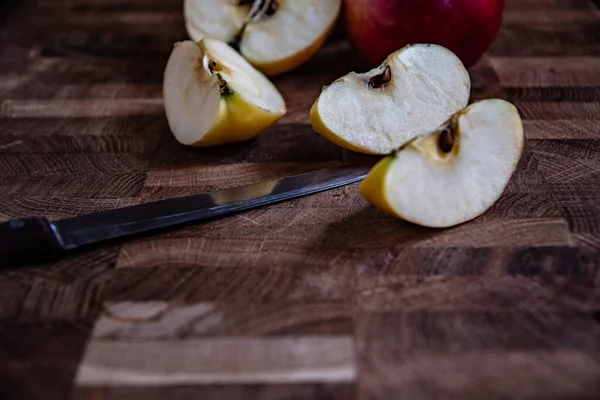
318, 298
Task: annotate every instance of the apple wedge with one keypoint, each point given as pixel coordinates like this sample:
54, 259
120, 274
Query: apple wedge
213, 95
273, 35
455, 173
412, 93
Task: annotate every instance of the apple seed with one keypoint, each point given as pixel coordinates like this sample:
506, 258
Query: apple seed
447, 140
381, 80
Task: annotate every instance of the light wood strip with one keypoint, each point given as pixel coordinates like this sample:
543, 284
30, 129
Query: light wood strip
177, 320
218, 361
11, 108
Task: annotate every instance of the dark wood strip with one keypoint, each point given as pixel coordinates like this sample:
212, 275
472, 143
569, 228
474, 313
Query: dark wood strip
561, 129
550, 4
43, 300
135, 21
230, 285
112, 6
145, 69
485, 262
546, 293
58, 207
402, 333
558, 111
58, 42
335, 244
80, 269
547, 40
39, 360
282, 143
24, 165
82, 135
534, 72
549, 16
210, 177
557, 94
498, 375
85, 186
55, 90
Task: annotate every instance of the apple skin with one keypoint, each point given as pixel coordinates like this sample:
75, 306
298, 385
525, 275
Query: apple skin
377, 28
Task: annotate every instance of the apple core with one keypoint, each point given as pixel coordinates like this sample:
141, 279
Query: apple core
260, 10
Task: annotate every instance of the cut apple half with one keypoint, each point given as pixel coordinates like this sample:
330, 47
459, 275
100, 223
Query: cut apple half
454, 174
273, 35
412, 93
213, 95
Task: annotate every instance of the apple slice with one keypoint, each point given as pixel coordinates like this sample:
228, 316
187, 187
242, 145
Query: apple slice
413, 92
214, 96
273, 35
454, 174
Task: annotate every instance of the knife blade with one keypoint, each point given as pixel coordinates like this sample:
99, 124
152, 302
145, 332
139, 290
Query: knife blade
36, 239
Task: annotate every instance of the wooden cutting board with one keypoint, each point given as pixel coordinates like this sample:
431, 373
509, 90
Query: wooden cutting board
322, 297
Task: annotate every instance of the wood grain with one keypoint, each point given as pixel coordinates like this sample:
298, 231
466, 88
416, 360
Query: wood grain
322, 297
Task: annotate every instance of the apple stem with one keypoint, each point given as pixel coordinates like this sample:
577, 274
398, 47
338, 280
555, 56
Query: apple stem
447, 140
382, 79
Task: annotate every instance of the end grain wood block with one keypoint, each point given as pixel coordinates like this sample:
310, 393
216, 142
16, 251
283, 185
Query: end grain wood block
526, 5
244, 284
101, 186
88, 70
551, 16
492, 262
560, 129
492, 375
549, 40
468, 294
477, 354
292, 248
127, 135
540, 72
39, 359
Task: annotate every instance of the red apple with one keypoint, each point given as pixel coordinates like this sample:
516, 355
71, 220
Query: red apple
377, 28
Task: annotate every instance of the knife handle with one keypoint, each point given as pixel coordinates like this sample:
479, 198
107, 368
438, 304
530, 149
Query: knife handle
28, 240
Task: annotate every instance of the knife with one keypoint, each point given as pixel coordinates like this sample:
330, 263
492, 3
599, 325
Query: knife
35, 239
